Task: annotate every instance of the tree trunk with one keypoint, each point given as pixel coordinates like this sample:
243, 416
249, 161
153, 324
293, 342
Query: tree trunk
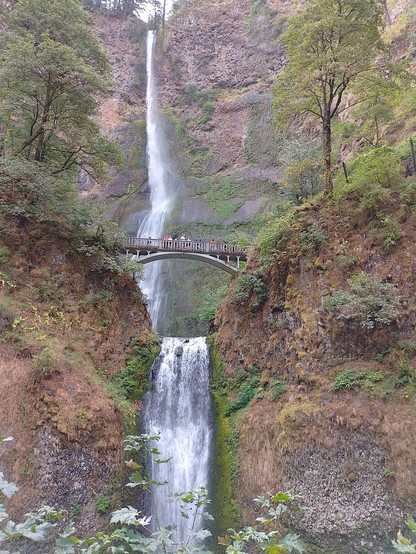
39, 146
326, 129
164, 14
386, 11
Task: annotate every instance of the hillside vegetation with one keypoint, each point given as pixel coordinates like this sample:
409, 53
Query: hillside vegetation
75, 336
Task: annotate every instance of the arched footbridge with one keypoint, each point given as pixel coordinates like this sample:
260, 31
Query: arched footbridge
218, 254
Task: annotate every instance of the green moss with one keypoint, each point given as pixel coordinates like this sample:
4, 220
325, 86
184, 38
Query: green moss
223, 480
133, 380
136, 154
129, 385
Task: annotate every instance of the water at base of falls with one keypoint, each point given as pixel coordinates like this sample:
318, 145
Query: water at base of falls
179, 408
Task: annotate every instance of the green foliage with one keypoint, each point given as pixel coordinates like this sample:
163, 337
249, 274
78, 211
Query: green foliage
402, 544
45, 362
330, 46
304, 177
246, 394
133, 381
225, 442
370, 302
204, 100
31, 195
391, 231
117, 7
4, 254
196, 159
224, 196
377, 383
272, 542
406, 371
314, 235
277, 388
103, 504
349, 379
247, 285
372, 176
274, 236
52, 73
211, 301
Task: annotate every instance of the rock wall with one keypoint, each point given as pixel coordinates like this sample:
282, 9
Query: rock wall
349, 452
74, 332
122, 118
215, 78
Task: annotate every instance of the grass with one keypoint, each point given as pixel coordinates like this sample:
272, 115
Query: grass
379, 383
225, 441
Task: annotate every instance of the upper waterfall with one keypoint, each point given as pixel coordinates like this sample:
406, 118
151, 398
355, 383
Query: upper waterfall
161, 184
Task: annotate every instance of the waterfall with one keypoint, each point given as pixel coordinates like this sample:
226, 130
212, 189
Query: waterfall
161, 183
179, 408
178, 405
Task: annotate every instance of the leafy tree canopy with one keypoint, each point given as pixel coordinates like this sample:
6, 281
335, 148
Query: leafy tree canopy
330, 45
52, 71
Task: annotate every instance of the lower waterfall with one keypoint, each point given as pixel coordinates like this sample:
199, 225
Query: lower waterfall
178, 407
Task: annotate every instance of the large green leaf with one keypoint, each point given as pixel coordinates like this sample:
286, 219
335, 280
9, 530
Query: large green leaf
8, 489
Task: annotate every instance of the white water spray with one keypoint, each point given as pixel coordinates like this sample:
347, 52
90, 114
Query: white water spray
179, 408
161, 183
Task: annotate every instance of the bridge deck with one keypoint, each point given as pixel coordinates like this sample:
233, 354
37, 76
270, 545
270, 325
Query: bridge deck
217, 249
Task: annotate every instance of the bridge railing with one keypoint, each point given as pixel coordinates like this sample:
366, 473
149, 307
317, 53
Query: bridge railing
177, 245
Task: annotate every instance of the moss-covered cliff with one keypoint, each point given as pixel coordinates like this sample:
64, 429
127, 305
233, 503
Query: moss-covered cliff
325, 321
76, 344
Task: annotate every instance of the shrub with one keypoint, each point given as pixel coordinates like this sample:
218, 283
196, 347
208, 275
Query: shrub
247, 392
103, 504
314, 235
304, 177
348, 379
375, 382
45, 361
277, 388
4, 254
275, 235
391, 231
370, 303
247, 285
372, 176
132, 382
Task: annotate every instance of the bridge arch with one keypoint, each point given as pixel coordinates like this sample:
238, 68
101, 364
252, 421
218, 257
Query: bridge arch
146, 258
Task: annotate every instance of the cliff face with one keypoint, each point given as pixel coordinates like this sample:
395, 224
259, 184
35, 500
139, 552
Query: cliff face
349, 452
66, 330
122, 117
219, 61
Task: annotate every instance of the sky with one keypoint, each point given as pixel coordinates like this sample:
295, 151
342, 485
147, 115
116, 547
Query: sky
145, 13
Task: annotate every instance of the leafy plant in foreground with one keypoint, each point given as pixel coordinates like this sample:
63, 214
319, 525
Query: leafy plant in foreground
131, 531
401, 544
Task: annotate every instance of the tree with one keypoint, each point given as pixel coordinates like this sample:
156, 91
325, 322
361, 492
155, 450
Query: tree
52, 72
330, 45
123, 7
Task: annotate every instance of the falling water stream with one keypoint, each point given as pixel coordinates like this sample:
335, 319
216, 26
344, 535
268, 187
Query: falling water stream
178, 405
161, 184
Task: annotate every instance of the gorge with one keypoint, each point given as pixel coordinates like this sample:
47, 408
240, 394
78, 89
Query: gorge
311, 344
178, 406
